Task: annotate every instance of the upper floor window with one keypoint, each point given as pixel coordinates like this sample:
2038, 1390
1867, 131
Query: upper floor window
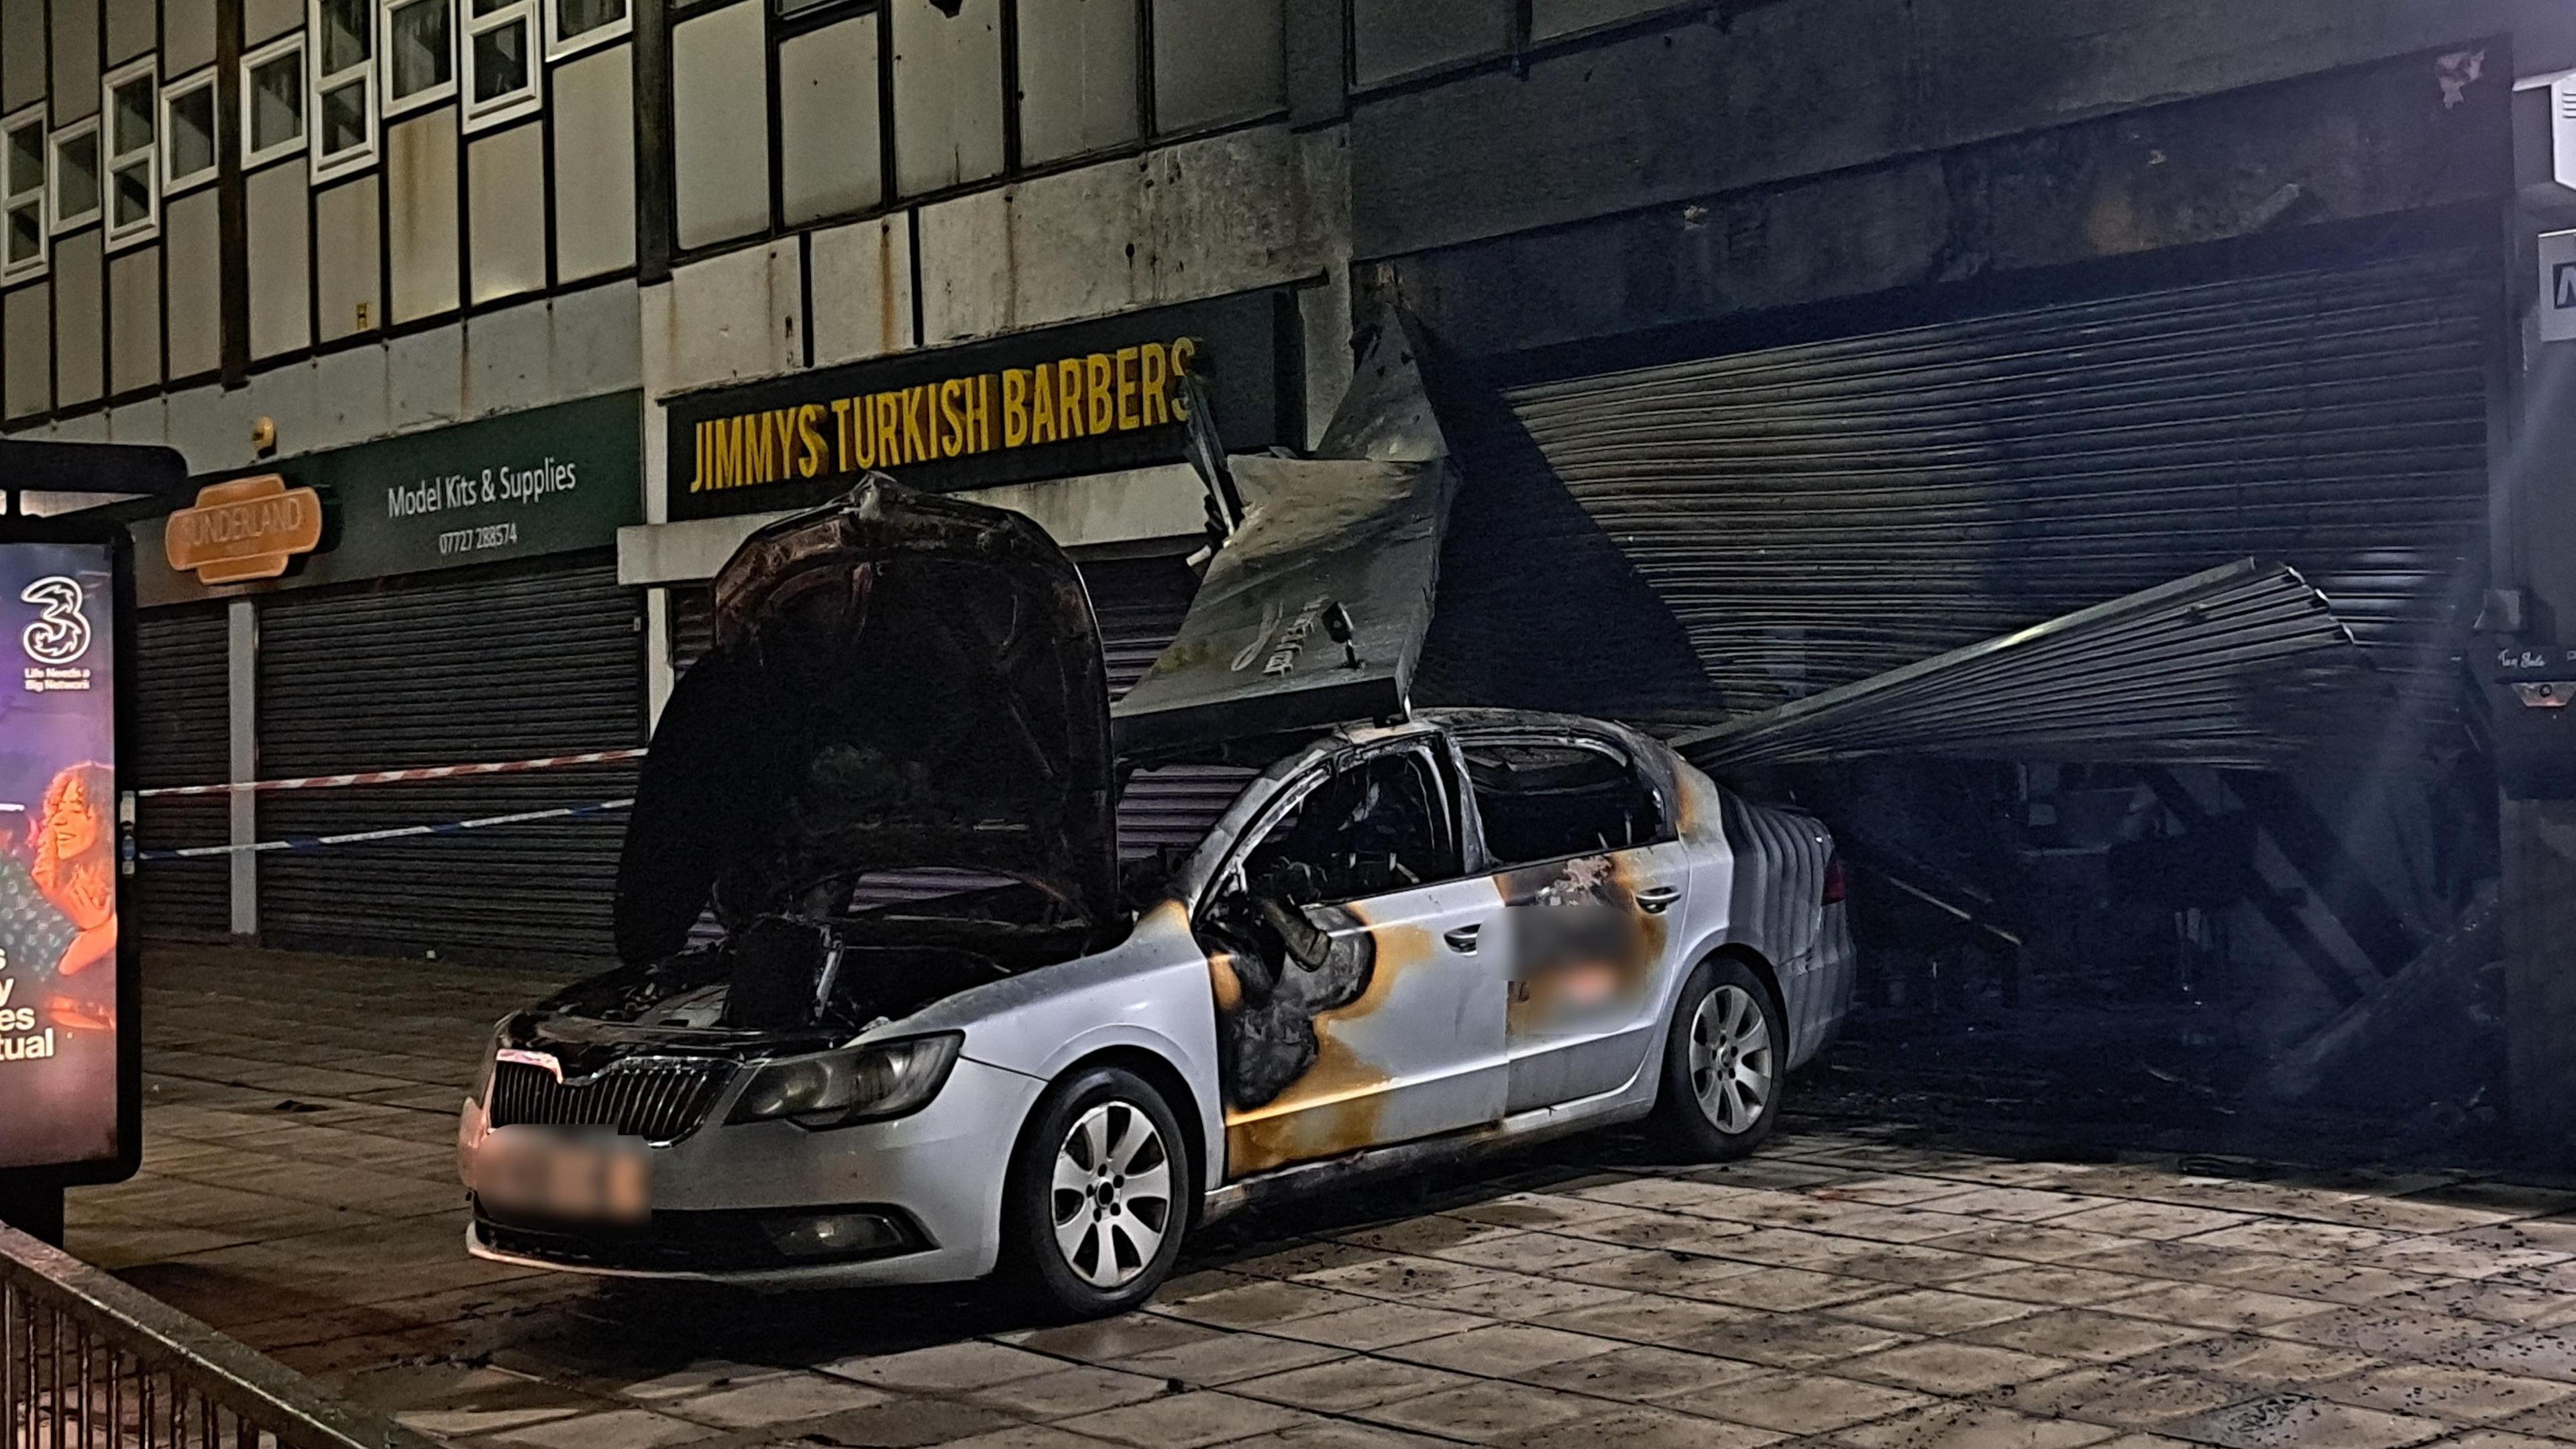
188, 133
74, 189
420, 53
131, 104
22, 194
272, 99
500, 61
344, 86
574, 25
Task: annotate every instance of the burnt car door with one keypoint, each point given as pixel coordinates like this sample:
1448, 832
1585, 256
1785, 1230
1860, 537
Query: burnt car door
1344, 937
1579, 835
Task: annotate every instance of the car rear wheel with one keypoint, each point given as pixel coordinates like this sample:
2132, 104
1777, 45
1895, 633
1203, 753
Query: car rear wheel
1725, 1063
1098, 1195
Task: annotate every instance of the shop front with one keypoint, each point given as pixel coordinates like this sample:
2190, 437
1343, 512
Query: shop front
443, 598
1082, 427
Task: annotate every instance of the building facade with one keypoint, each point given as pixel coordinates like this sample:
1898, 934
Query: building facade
1792, 339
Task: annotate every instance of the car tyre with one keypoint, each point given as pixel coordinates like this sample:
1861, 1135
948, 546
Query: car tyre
1098, 1196
1725, 1063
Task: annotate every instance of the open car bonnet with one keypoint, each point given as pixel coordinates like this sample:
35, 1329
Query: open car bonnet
899, 682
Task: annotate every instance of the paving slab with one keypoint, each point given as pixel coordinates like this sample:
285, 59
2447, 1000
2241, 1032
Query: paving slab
1857, 1284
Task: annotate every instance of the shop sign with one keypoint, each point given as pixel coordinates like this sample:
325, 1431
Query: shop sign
519, 485
249, 528
1068, 400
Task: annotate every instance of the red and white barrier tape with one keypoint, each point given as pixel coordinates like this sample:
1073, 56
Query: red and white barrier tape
395, 777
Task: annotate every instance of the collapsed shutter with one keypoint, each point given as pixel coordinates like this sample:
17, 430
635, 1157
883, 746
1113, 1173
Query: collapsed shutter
183, 736
1815, 514
449, 669
1139, 603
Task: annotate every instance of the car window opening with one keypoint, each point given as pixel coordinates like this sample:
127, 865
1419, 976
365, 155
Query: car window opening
1549, 801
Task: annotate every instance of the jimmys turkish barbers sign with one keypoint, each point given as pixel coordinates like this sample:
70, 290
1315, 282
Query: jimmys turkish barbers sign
1085, 398
519, 485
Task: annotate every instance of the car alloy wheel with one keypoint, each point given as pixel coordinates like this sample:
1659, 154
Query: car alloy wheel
1731, 1062
1112, 1201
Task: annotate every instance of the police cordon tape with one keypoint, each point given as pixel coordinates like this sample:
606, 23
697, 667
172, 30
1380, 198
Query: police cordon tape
306, 844
395, 777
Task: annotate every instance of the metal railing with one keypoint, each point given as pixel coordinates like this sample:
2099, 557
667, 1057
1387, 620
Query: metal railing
89, 1363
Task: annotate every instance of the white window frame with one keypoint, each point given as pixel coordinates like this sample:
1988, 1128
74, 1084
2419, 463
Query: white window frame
171, 93
29, 118
251, 62
483, 115
111, 160
55, 221
558, 46
363, 155
446, 90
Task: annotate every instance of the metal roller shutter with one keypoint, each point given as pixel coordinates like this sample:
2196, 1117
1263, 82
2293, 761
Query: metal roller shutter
1139, 603
450, 669
1817, 513
183, 727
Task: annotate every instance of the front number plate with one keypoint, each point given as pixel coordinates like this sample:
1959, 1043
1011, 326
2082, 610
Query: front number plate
567, 1176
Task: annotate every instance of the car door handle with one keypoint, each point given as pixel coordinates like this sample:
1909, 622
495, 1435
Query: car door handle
1463, 939
1655, 900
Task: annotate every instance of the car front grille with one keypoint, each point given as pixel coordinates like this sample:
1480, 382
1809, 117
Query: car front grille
660, 1101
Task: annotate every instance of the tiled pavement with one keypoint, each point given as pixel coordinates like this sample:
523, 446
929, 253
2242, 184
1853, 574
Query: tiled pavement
1848, 1287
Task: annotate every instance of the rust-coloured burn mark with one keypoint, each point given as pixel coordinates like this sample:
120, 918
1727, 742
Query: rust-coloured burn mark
1335, 1105
1581, 944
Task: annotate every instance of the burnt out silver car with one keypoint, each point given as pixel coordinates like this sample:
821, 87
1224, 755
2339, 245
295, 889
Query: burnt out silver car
1424, 935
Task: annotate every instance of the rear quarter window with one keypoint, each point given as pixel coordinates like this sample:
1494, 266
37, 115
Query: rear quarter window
1549, 800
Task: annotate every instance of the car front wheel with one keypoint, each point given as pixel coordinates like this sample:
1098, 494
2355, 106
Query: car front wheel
1725, 1063
1097, 1199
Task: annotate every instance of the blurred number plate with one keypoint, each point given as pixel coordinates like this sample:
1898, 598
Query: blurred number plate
568, 1175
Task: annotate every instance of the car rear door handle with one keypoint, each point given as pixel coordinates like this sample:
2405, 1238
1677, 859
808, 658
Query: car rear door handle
1655, 900
1463, 939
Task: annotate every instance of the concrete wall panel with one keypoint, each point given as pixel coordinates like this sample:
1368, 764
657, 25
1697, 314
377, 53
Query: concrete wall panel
1551, 19
26, 350
187, 36
830, 161
192, 234
1250, 209
349, 282
269, 19
420, 170
1391, 38
75, 73
580, 344
425, 379
134, 314
209, 429
594, 114
23, 58
505, 207
281, 303
862, 290
80, 320
724, 319
133, 27
947, 93
1078, 82
1218, 60
720, 165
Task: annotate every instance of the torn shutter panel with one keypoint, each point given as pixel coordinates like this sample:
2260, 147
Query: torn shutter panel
1816, 514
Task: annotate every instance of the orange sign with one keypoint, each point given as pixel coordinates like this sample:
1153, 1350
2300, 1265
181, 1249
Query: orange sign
244, 529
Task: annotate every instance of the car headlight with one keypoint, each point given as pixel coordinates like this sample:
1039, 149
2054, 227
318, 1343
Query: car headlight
857, 1084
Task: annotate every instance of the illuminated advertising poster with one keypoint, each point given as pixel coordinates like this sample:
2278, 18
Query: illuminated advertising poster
58, 869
